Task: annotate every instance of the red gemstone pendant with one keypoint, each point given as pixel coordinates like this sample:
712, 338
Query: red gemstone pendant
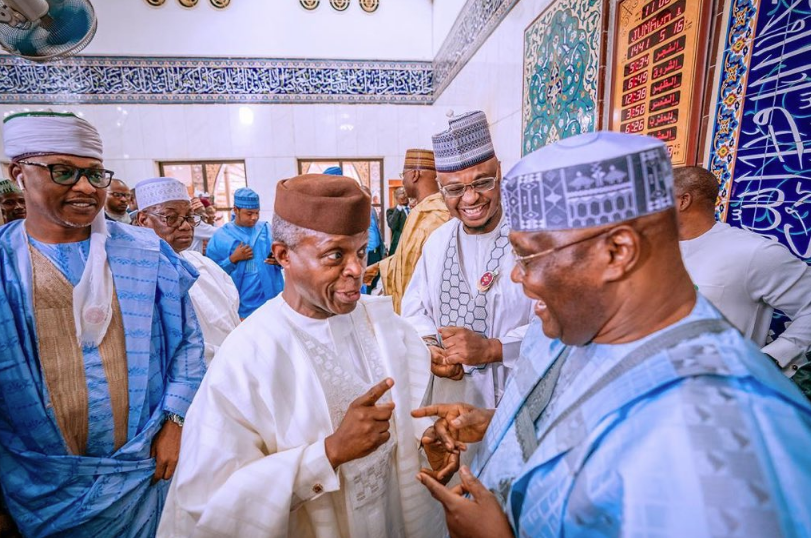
486, 281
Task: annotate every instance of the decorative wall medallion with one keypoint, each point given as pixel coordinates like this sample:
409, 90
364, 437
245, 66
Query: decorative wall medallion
561, 65
156, 3
188, 3
309, 5
220, 4
339, 5
369, 6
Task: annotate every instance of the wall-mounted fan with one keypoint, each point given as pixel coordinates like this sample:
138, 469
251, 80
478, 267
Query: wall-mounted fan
42, 30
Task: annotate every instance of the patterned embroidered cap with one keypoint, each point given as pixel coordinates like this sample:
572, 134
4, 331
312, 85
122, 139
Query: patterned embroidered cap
246, 198
588, 180
7, 187
158, 190
419, 159
466, 143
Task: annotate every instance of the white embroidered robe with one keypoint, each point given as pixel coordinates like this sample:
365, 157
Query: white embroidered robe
509, 311
216, 301
253, 462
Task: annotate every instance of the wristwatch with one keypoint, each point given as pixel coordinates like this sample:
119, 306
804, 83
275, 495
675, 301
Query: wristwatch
174, 417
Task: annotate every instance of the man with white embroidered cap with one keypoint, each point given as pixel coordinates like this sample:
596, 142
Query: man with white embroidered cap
636, 408
460, 298
101, 351
302, 427
167, 209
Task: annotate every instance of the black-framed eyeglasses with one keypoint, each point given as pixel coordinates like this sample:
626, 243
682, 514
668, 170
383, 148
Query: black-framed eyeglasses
480, 185
121, 195
523, 262
67, 175
176, 221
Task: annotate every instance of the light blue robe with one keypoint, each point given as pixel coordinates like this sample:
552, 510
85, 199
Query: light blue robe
48, 491
661, 451
257, 281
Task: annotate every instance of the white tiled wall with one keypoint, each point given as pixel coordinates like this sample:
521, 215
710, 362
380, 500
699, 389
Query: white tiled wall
493, 81
137, 137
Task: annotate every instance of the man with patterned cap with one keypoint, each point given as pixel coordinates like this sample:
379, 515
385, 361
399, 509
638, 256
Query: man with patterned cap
101, 350
461, 299
302, 427
12, 202
636, 408
419, 181
242, 249
167, 209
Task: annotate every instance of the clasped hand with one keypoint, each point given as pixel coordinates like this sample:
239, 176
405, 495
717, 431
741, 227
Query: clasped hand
463, 346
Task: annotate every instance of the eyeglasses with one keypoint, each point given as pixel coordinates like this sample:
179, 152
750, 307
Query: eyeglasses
522, 262
66, 175
176, 221
480, 185
121, 195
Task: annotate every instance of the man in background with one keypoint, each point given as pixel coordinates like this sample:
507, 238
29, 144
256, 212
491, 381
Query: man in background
460, 298
12, 202
204, 230
396, 218
165, 208
745, 275
430, 212
242, 249
118, 200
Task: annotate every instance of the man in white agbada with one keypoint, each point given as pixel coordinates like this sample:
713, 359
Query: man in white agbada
165, 207
461, 299
302, 425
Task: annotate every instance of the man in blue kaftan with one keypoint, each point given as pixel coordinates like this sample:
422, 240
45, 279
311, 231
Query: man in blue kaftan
242, 249
100, 351
636, 409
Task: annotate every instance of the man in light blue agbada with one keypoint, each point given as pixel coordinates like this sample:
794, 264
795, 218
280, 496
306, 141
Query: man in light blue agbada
242, 249
100, 350
636, 409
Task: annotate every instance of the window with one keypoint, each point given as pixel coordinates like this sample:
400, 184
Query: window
215, 180
367, 172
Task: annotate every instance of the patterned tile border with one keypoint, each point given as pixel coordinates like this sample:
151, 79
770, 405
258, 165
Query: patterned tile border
101, 79
121, 79
476, 21
734, 70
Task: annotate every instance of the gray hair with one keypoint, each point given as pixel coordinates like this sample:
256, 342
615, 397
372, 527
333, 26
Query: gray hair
288, 233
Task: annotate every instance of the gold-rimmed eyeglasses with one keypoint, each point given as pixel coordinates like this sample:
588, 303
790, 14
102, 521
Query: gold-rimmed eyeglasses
176, 221
523, 262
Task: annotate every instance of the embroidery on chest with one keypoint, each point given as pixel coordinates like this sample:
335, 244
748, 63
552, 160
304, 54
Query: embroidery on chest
366, 478
459, 305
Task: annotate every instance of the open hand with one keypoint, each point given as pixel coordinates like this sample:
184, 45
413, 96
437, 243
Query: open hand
166, 450
480, 516
364, 427
464, 346
440, 367
241, 253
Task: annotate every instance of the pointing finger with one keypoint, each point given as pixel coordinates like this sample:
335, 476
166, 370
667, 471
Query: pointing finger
438, 491
376, 392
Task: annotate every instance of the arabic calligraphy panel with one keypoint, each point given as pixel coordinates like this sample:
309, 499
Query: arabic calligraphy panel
561, 65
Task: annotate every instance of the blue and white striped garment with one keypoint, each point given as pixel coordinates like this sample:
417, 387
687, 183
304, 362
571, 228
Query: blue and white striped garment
659, 452
48, 491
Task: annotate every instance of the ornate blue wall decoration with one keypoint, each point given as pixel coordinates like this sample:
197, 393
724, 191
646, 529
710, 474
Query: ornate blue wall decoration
475, 23
95, 79
760, 152
760, 144
561, 63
